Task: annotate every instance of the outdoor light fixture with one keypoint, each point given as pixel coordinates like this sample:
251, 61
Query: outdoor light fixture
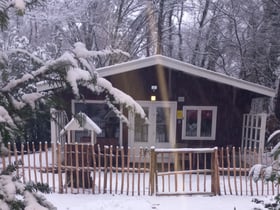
153, 98
153, 88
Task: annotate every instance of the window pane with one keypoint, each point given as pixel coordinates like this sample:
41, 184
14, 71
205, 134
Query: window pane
83, 136
141, 128
103, 116
206, 123
259, 121
191, 123
163, 124
254, 121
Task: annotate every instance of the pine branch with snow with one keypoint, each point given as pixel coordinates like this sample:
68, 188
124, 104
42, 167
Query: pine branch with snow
74, 69
5, 5
269, 172
16, 195
3, 14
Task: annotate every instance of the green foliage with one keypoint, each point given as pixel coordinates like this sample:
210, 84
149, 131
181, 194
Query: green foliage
16, 205
269, 206
276, 154
270, 173
41, 187
20, 12
20, 198
277, 198
36, 127
4, 19
9, 169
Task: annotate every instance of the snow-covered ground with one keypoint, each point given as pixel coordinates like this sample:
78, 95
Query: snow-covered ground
123, 202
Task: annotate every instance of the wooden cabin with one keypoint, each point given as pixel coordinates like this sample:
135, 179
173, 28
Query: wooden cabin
187, 106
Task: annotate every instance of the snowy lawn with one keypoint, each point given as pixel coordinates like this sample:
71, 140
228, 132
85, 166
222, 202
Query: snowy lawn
123, 202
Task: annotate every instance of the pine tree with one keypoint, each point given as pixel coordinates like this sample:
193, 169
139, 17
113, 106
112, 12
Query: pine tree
16, 195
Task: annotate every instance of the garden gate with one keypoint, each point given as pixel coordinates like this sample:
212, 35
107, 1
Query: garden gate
184, 171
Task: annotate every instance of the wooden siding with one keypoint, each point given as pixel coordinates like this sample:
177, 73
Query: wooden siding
231, 102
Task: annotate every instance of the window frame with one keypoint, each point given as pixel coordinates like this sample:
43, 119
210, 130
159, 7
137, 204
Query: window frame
199, 109
152, 126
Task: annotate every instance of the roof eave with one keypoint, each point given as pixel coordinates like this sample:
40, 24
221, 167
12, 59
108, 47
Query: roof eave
188, 69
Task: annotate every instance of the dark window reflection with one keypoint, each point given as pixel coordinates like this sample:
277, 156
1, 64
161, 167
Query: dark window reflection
191, 122
206, 123
141, 128
162, 124
103, 116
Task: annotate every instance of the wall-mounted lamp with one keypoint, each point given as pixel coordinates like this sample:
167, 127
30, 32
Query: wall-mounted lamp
153, 96
154, 88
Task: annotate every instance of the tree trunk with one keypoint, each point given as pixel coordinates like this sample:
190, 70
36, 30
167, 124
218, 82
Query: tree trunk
160, 27
196, 50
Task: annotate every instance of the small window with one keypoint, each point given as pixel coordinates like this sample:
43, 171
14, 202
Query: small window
199, 122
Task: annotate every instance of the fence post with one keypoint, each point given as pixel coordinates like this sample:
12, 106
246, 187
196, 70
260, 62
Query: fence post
60, 184
152, 171
215, 181
218, 187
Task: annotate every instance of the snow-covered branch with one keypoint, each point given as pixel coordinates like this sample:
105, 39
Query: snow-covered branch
81, 51
120, 96
74, 68
5, 117
16, 195
18, 4
25, 52
55, 65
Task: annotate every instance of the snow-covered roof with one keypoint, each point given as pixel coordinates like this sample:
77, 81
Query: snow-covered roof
186, 68
87, 124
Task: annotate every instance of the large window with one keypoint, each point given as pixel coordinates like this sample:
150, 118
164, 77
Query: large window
199, 122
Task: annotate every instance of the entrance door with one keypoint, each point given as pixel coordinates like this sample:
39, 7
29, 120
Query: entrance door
158, 130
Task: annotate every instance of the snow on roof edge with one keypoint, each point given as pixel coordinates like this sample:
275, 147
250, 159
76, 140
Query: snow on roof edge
188, 69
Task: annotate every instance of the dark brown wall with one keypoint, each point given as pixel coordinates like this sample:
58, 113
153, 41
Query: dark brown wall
231, 102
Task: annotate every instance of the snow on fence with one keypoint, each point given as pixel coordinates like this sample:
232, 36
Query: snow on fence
87, 168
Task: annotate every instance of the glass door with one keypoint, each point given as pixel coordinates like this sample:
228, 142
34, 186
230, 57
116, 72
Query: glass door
158, 130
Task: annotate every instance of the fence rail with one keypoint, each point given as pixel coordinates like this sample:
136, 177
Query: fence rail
188, 169
234, 166
87, 168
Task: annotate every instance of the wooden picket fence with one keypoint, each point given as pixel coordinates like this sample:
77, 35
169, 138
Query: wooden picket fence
102, 170
185, 171
234, 166
86, 168
82, 168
